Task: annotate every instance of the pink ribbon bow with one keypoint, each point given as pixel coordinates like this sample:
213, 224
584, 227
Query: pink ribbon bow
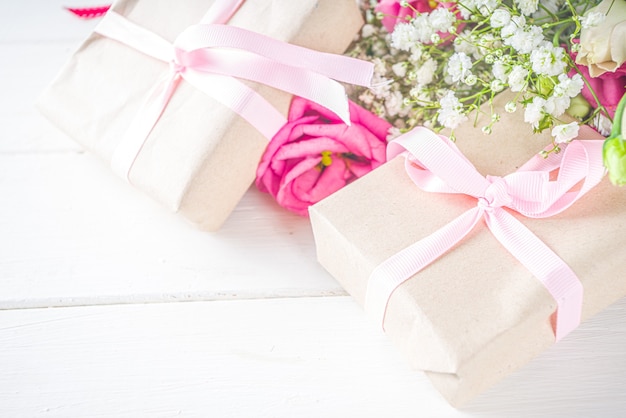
211, 54
435, 164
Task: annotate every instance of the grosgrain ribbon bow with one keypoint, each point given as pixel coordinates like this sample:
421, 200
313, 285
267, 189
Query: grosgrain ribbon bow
210, 55
435, 164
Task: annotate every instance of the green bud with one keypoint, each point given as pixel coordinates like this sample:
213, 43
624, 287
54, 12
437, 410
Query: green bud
545, 85
579, 107
614, 150
614, 155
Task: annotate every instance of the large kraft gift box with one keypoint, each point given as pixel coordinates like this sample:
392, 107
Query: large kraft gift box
201, 157
476, 314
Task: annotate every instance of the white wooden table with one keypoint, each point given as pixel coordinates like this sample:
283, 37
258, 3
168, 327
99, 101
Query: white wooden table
111, 306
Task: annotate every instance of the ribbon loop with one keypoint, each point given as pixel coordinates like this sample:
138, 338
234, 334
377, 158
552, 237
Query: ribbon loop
436, 165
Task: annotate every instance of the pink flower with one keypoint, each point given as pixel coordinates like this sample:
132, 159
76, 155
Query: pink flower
394, 13
315, 154
609, 87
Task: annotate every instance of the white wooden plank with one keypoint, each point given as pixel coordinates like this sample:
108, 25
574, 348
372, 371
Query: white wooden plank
26, 70
273, 358
71, 233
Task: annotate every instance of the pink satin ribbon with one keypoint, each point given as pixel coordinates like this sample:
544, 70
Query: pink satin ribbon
210, 55
436, 165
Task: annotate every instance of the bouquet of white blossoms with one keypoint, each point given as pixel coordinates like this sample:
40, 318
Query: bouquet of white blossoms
435, 62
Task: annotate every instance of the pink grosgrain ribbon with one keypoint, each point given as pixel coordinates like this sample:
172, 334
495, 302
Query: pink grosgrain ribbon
435, 164
210, 55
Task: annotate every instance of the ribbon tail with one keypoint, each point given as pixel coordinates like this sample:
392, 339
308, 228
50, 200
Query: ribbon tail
297, 81
240, 98
338, 67
117, 27
137, 133
545, 265
397, 269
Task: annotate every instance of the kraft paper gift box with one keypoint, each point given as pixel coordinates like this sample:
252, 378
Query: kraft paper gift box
201, 157
475, 314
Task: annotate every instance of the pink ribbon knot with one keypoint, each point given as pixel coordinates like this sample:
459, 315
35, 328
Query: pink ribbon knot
496, 194
435, 164
213, 56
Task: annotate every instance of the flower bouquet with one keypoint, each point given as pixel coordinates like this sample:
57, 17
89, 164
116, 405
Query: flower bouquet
436, 62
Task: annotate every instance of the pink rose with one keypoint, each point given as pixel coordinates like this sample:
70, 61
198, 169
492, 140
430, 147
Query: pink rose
394, 13
610, 87
315, 154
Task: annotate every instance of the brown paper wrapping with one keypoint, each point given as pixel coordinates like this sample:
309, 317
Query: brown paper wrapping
476, 314
201, 157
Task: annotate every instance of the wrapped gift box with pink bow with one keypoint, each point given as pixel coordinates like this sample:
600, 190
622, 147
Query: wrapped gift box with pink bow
476, 258
181, 99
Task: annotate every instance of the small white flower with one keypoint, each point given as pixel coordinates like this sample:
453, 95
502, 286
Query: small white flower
525, 40
565, 133
368, 30
497, 85
500, 18
416, 54
499, 71
466, 43
450, 115
441, 19
399, 69
486, 43
518, 78
510, 107
426, 72
534, 111
592, 19
527, 7
420, 94
394, 104
404, 36
570, 87
423, 29
459, 66
517, 23
486, 7
548, 60
471, 80
467, 8
557, 105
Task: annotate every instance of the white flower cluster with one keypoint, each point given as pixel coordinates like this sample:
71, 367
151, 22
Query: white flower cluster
438, 66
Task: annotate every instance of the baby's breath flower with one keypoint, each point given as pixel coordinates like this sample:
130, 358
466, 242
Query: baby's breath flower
526, 39
592, 19
426, 72
548, 60
565, 133
518, 78
399, 69
404, 36
441, 19
500, 18
459, 66
450, 114
527, 7
510, 107
535, 111
470, 80
421, 78
497, 86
